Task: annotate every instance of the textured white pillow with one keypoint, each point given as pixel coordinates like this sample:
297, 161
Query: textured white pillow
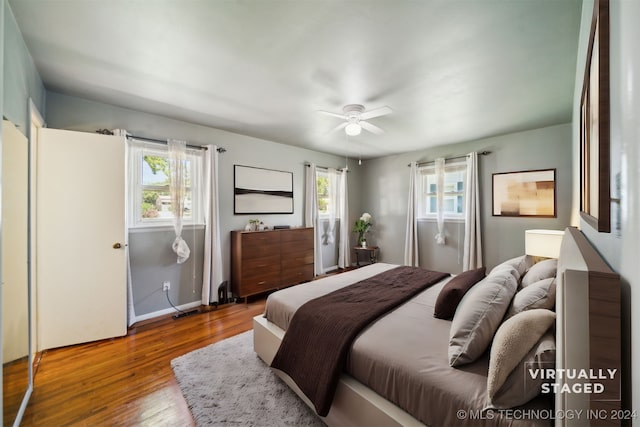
478, 316
513, 340
541, 294
541, 270
520, 387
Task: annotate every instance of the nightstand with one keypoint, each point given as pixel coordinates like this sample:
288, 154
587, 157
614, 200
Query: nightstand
369, 253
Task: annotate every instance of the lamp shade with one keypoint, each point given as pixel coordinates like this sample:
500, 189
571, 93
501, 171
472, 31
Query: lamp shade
543, 243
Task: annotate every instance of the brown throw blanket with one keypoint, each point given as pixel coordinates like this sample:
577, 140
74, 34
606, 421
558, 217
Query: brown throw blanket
314, 349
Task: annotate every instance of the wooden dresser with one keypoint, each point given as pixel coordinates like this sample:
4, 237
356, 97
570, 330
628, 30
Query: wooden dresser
266, 260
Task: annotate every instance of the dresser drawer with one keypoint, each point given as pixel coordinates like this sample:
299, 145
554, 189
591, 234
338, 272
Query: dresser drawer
297, 234
261, 238
297, 258
293, 276
265, 264
258, 283
250, 251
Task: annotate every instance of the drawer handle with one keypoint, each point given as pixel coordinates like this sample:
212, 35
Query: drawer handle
262, 283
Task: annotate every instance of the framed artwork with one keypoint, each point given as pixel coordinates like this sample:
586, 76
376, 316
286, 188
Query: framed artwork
595, 198
525, 194
262, 191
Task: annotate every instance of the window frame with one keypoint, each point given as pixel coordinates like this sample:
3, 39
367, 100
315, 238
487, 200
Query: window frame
196, 160
423, 195
326, 215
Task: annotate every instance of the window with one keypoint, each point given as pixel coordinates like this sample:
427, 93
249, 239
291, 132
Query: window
322, 188
453, 191
150, 198
327, 191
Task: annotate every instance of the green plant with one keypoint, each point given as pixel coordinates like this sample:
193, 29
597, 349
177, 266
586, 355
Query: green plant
362, 226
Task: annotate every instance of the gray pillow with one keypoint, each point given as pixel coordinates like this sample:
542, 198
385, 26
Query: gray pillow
507, 268
541, 270
520, 387
521, 264
541, 294
513, 340
478, 316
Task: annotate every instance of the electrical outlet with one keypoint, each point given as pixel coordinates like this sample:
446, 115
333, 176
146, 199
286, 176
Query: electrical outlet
166, 285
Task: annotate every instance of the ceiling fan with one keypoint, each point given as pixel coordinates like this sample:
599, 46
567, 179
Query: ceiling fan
355, 119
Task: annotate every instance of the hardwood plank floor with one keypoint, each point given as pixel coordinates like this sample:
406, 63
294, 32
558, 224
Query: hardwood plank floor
128, 380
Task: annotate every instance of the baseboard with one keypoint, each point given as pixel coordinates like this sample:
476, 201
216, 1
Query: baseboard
328, 269
166, 311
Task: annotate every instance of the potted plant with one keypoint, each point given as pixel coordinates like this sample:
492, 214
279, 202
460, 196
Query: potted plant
362, 226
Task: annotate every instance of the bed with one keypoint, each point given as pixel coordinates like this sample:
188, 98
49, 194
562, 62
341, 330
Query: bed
390, 357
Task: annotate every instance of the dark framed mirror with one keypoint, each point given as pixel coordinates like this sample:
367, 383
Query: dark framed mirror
595, 197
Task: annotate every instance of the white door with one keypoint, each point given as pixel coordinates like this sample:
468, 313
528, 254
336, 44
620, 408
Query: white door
81, 240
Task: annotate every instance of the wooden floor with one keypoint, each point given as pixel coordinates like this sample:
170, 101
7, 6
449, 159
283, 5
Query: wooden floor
129, 381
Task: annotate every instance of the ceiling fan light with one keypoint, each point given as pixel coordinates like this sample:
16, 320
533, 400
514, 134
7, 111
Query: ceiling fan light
353, 129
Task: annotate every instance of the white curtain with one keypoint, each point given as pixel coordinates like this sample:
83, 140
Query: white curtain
440, 200
311, 215
212, 268
130, 159
333, 178
177, 187
472, 257
344, 248
411, 236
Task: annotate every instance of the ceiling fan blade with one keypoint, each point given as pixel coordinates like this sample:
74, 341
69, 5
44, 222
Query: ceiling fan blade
329, 113
337, 128
377, 112
371, 128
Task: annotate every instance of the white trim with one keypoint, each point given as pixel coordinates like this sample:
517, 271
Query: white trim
432, 218
137, 151
165, 311
331, 268
430, 170
164, 227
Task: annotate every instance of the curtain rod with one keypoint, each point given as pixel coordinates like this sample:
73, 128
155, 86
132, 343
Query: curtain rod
482, 153
307, 164
158, 141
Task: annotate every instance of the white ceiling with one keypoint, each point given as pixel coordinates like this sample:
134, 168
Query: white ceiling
452, 71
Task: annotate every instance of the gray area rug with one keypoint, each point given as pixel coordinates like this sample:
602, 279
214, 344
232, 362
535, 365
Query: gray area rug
226, 383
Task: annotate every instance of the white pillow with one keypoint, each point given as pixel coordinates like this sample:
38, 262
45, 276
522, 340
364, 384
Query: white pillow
478, 316
520, 387
513, 340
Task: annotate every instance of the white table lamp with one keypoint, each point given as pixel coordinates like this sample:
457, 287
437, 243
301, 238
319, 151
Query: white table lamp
543, 243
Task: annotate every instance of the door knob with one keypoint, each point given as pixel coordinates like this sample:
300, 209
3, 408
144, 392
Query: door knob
117, 245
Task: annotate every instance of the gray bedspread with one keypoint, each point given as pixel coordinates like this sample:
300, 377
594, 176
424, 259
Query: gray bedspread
403, 357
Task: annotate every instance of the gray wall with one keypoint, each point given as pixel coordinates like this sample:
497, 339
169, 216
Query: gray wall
621, 247
153, 262
387, 185
72, 113
21, 79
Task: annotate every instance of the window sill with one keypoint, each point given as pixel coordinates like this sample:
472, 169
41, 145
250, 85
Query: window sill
434, 219
327, 218
163, 227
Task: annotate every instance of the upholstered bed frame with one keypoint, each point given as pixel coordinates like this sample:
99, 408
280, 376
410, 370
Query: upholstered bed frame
587, 337
587, 330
